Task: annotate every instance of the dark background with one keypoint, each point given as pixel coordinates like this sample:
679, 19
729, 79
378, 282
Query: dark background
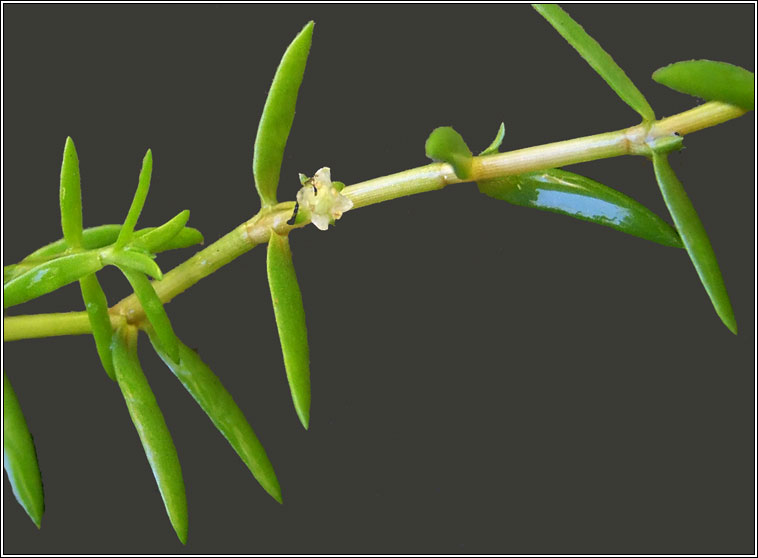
486, 378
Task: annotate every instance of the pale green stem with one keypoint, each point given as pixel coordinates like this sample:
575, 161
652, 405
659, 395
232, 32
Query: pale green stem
629, 141
49, 325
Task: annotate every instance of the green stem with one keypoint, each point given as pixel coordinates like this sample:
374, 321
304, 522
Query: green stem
629, 141
49, 325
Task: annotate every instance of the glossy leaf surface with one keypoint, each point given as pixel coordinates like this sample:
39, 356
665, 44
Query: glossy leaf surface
218, 404
20, 456
290, 321
278, 114
710, 80
599, 59
134, 260
447, 145
159, 236
71, 196
577, 196
49, 276
143, 186
695, 239
151, 427
154, 311
495, 145
97, 309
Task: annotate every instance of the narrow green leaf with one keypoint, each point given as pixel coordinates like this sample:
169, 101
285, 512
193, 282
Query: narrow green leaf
186, 237
20, 457
71, 196
495, 145
49, 276
125, 235
11, 271
290, 321
154, 311
710, 80
151, 427
163, 234
98, 237
447, 145
278, 114
134, 260
695, 239
218, 404
94, 237
97, 310
105, 235
577, 196
599, 59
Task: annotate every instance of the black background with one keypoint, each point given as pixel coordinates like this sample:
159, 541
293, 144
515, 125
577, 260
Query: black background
486, 378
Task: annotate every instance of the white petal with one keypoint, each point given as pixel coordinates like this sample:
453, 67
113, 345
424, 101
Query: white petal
321, 221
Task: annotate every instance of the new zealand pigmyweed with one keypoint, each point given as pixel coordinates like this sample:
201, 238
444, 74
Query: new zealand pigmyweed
516, 294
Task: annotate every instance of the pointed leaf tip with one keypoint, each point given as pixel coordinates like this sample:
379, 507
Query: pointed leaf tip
694, 238
495, 145
138, 202
589, 49
580, 197
71, 196
278, 114
20, 457
208, 391
290, 322
151, 427
161, 236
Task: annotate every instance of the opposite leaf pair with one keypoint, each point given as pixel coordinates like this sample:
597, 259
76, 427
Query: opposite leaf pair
574, 195
213, 398
713, 81
77, 256
271, 139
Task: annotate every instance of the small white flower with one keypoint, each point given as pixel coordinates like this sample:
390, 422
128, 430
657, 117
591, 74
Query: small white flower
321, 200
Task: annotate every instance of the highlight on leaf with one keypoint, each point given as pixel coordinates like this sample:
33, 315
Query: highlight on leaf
446, 145
694, 238
20, 457
151, 428
278, 115
125, 234
710, 80
290, 322
71, 196
597, 57
577, 196
49, 276
208, 391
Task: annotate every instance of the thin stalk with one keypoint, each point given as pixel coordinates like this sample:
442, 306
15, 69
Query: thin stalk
257, 230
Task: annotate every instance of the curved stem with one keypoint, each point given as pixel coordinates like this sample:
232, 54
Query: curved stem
629, 141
